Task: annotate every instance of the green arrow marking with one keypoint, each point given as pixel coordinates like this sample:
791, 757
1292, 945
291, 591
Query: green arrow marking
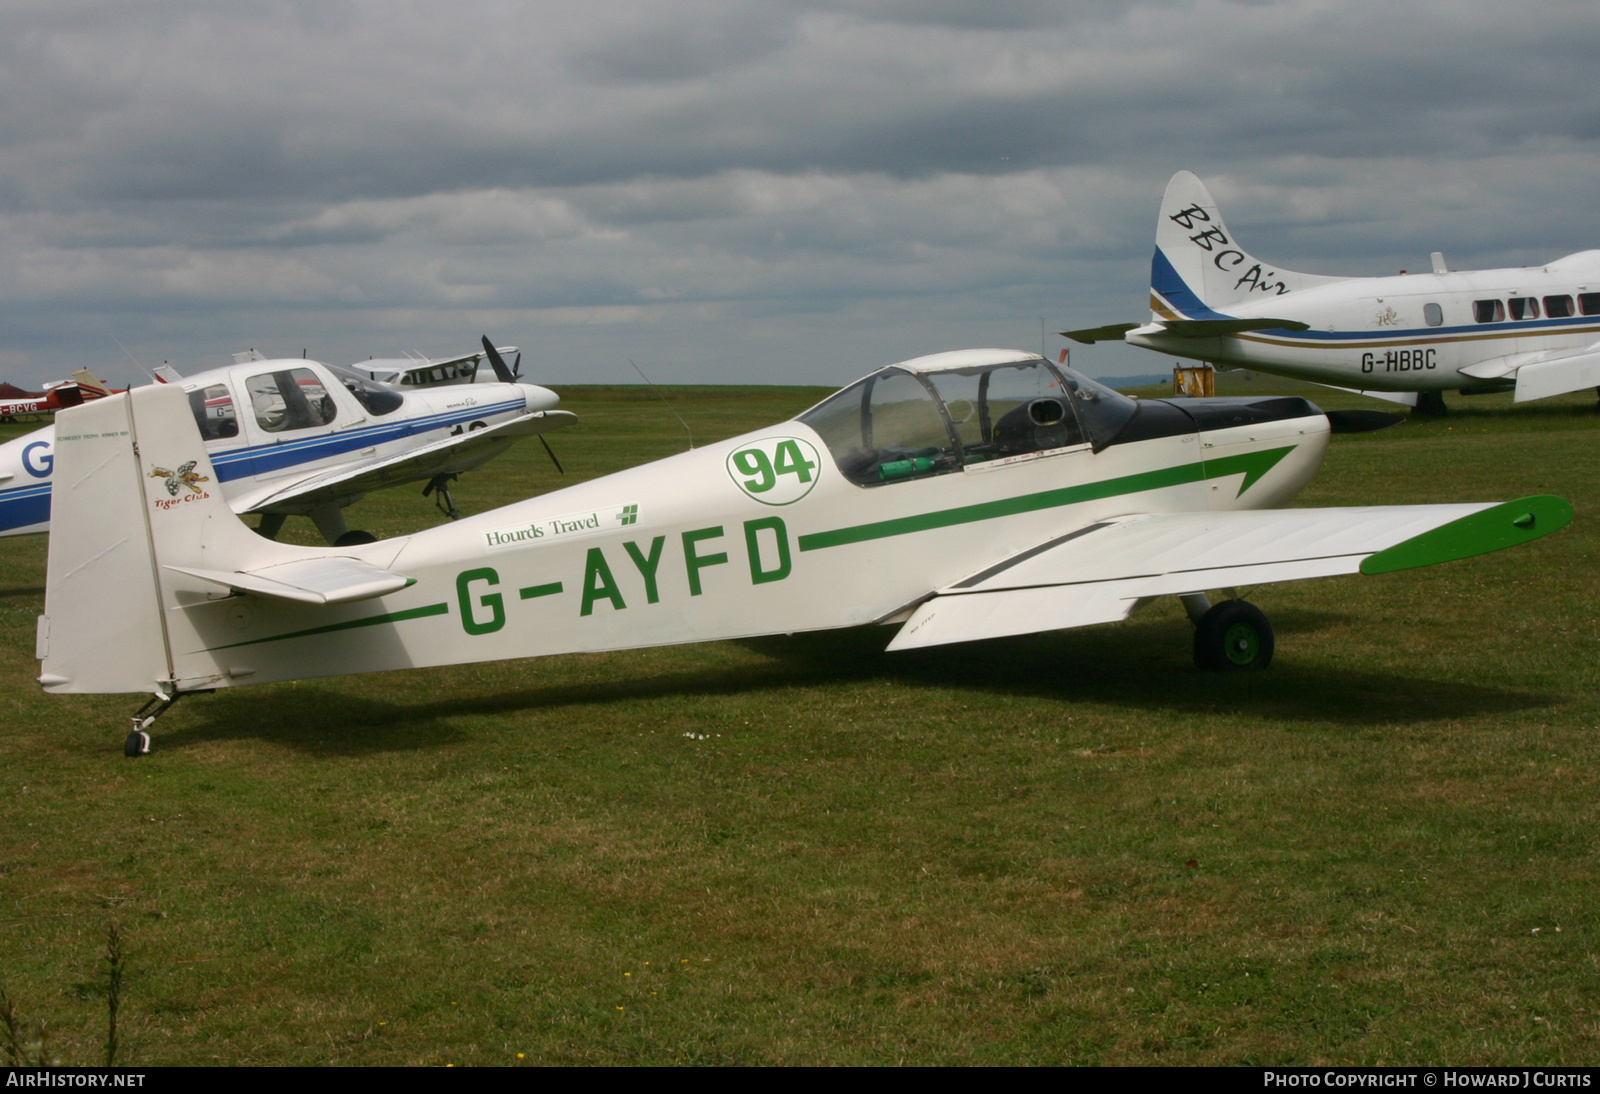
1252, 464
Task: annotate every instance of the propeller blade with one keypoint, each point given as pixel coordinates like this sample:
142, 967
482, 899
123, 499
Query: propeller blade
498, 363
1362, 421
551, 452
516, 366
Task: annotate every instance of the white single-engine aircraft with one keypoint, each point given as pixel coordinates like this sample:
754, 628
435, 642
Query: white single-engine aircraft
964, 495
1535, 329
422, 371
292, 436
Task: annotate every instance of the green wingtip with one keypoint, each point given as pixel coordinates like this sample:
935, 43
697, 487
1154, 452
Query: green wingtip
1504, 525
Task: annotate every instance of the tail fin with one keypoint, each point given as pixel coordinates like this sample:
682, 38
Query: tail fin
102, 624
140, 536
1198, 267
90, 385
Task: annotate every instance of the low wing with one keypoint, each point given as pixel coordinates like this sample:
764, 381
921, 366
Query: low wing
461, 452
1558, 374
1099, 573
308, 580
1541, 375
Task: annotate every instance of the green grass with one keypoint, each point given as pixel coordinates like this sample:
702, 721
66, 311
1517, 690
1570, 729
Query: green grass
1068, 848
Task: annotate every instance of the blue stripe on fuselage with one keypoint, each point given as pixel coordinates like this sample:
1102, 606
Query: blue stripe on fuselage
24, 506
1526, 328
241, 463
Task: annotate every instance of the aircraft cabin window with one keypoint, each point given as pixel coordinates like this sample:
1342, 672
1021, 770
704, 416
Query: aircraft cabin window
890, 427
374, 397
1524, 307
213, 412
1007, 410
290, 399
1488, 311
884, 429
1432, 314
1589, 302
1558, 307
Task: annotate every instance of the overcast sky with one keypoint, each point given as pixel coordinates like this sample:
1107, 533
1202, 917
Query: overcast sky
731, 191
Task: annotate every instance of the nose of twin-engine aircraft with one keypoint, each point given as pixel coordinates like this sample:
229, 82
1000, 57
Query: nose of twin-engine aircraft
535, 397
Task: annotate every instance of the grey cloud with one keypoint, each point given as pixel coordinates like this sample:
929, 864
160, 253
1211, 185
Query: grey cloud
195, 176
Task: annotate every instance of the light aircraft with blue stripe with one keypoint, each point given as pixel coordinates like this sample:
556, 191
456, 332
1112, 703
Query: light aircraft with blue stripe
298, 437
1534, 330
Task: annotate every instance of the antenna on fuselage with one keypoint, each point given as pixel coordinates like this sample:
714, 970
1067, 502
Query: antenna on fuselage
663, 398
131, 357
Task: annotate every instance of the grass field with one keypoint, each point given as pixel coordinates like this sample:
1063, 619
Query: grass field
1068, 848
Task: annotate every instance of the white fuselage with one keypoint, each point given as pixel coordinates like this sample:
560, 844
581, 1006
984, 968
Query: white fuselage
680, 551
1411, 332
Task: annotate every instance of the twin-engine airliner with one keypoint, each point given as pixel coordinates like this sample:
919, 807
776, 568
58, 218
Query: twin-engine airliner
1534, 330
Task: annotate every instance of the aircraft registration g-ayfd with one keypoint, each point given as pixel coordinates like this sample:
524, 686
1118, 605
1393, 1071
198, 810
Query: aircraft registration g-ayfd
1408, 338
297, 437
961, 496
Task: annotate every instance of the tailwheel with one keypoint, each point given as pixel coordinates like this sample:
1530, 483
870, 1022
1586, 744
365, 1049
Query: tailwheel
1234, 636
138, 742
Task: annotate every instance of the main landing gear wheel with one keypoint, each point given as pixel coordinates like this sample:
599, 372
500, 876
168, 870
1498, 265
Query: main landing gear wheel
137, 744
354, 538
1234, 636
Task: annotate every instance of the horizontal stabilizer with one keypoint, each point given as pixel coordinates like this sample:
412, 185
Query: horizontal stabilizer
1216, 328
309, 580
1090, 335
1099, 573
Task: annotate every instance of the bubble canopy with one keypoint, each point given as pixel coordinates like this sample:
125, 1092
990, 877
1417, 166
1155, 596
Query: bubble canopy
942, 413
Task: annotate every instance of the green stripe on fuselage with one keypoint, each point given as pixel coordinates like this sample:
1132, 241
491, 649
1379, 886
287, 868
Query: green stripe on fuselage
1252, 464
369, 621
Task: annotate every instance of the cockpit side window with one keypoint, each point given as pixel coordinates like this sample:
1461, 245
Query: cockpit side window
1102, 412
1008, 410
290, 399
891, 427
213, 412
886, 428
377, 399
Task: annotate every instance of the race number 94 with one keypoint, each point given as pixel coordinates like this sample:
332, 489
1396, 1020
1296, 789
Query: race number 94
775, 470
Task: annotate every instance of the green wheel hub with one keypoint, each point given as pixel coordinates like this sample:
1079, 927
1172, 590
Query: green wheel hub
1241, 644
1234, 636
